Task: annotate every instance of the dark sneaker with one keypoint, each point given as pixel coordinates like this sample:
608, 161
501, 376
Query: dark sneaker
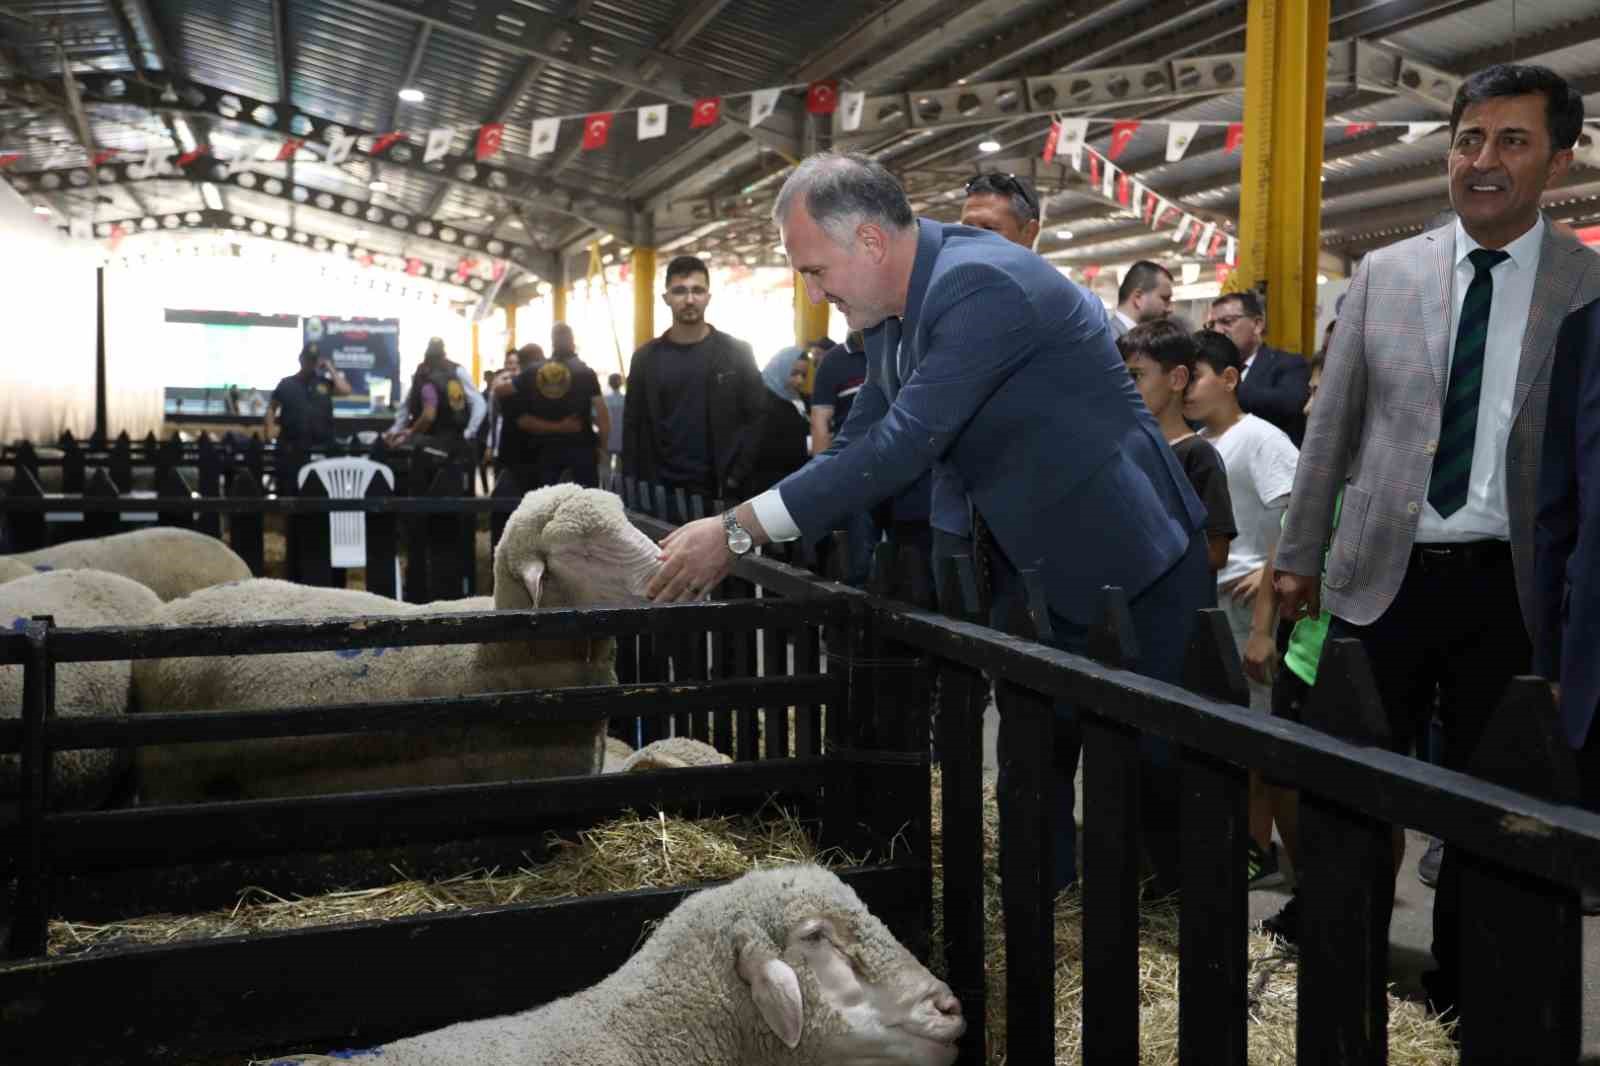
1285, 925
1262, 866
1428, 865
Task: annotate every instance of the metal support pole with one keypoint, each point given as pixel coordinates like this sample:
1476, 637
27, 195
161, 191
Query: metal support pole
644, 297
511, 327
100, 430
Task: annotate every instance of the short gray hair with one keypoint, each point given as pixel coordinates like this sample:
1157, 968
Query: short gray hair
841, 190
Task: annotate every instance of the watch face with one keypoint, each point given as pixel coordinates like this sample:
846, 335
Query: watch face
739, 542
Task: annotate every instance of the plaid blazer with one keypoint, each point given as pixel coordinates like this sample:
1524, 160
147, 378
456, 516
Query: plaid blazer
1375, 425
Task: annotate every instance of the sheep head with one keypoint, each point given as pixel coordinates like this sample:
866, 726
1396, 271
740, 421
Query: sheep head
567, 546
823, 971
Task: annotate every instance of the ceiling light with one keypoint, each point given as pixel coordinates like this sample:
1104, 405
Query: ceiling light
1322, 279
185, 134
378, 186
361, 234
412, 96
989, 146
1064, 234
516, 223
209, 193
41, 209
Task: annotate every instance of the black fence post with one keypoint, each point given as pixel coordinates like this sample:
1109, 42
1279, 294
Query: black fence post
658, 499
1346, 883
73, 467
209, 469
630, 493
1027, 854
25, 458
1521, 962
962, 695
29, 530
172, 483
101, 523
246, 530
699, 654
383, 543
1214, 920
255, 459
167, 455
121, 462
311, 544
31, 914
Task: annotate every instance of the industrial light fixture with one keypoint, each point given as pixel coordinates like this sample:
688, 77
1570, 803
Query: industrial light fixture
41, 209
988, 146
185, 135
1322, 279
209, 193
378, 186
1064, 234
412, 96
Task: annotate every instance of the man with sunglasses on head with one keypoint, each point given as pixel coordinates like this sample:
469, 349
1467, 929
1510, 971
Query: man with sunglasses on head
693, 408
1274, 384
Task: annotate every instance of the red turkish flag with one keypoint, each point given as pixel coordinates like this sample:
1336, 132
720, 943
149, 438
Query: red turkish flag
1194, 236
365, 259
194, 153
1094, 171
1150, 202
104, 155
596, 130
822, 97
1224, 271
1356, 129
1050, 141
1090, 273
1215, 246
1235, 136
1171, 214
117, 233
1121, 134
8, 158
1124, 188
413, 267
385, 141
489, 135
705, 112
289, 148
465, 267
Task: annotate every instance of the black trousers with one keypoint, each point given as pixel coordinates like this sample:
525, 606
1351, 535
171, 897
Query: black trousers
1456, 624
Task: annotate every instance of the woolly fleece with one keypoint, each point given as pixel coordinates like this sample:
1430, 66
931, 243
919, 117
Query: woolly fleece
673, 753
680, 1000
618, 752
83, 778
169, 562
564, 527
10, 570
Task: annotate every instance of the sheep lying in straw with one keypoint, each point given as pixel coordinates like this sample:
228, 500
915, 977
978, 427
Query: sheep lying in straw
673, 753
169, 562
784, 965
564, 546
83, 778
10, 570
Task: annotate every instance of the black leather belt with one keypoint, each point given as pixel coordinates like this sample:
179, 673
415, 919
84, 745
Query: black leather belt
1465, 555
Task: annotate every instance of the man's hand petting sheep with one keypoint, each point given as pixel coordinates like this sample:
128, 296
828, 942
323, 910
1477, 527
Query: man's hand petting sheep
696, 556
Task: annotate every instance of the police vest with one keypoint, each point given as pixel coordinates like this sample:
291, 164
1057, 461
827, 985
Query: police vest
450, 418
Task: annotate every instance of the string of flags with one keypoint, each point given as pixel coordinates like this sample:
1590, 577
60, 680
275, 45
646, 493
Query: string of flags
1066, 134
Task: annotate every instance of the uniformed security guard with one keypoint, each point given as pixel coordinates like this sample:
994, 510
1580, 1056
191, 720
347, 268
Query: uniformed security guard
560, 411
444, 404
300, 416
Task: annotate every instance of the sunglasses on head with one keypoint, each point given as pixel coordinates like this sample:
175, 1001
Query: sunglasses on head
1005, 182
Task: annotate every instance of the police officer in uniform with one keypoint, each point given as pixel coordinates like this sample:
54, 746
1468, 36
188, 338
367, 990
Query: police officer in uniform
561, 413
443, 408
300, 416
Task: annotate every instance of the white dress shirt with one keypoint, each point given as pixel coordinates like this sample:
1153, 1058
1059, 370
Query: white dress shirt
1127, 323
1485, 516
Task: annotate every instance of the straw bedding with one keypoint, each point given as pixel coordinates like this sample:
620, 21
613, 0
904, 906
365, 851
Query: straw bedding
635, 852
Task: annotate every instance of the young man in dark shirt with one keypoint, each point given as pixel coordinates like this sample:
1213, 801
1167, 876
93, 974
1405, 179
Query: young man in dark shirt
300, 416
693, 408
559, 412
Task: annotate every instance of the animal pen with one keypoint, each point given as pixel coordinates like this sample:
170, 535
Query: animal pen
859, 672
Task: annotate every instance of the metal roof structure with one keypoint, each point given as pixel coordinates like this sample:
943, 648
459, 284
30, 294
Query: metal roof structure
165, 94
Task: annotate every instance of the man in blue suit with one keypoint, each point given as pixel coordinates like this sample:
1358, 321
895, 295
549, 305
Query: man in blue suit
984, 360
1567, 547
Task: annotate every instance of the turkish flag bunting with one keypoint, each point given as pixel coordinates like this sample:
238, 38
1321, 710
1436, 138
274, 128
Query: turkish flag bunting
1094, 171
1124, 192
1194, 239
1224, 271
1235, 136
192, 154
117, 233
1216, 245
1121, 134
413, 267
1090, 273
385, 142
1356, 129
706, 112
289, 148
104, 155
1050, 141
489, 135
365, 259
596, 130
822, 97
1150, 209
7, 158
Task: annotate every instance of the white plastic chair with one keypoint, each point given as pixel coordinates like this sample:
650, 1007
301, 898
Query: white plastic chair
347, 478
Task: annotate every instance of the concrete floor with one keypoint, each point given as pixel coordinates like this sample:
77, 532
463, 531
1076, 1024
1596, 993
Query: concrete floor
1411, 928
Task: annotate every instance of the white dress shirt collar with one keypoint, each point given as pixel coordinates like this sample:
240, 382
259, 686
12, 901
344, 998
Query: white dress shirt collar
1524, 251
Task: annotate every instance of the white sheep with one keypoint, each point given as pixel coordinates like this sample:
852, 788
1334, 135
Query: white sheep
10, 570
617, 752
563, 546
170, 562
782, 967
673, 753
82, 778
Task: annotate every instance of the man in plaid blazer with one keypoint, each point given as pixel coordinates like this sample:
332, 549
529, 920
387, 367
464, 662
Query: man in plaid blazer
1431, 418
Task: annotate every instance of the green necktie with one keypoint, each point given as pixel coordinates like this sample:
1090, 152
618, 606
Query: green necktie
1458, 428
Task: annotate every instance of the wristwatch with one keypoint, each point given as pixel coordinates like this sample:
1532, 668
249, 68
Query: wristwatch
739, 540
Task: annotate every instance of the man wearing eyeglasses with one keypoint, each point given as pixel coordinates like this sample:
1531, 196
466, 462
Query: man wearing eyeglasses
1274, 384
693, 407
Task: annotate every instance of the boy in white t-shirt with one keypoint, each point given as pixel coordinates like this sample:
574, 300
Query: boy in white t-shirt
1260, 460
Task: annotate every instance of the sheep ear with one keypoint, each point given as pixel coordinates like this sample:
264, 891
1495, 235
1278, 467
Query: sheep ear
775, 989
533, 579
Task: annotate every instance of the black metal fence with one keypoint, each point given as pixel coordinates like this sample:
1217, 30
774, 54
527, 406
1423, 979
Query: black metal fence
860, 673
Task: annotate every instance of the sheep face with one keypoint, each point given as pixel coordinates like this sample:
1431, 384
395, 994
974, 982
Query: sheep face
832, 975
567, 546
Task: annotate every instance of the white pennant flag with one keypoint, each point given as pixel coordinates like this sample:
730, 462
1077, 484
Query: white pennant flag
155, 160
1205, 238
1588, 153
438, 145
1070, 142
340, 145
81, 228
542, 137
1108, 179
1139, 193
851, 105
245, 160
1179, 134
652, 121
1230, 249
1183, 228
1415, 131
763, 102
1161, 209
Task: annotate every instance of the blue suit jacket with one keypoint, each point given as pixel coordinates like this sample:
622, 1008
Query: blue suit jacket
1276, 389
1566, 562
1007, 376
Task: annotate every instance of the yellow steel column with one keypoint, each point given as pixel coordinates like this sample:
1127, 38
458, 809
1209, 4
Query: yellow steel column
511, 326
477, 362
810, 320
558, 302
1280, 207
644, 295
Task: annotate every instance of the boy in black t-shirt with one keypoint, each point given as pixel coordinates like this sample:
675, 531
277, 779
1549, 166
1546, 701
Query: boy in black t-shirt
1160, 355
